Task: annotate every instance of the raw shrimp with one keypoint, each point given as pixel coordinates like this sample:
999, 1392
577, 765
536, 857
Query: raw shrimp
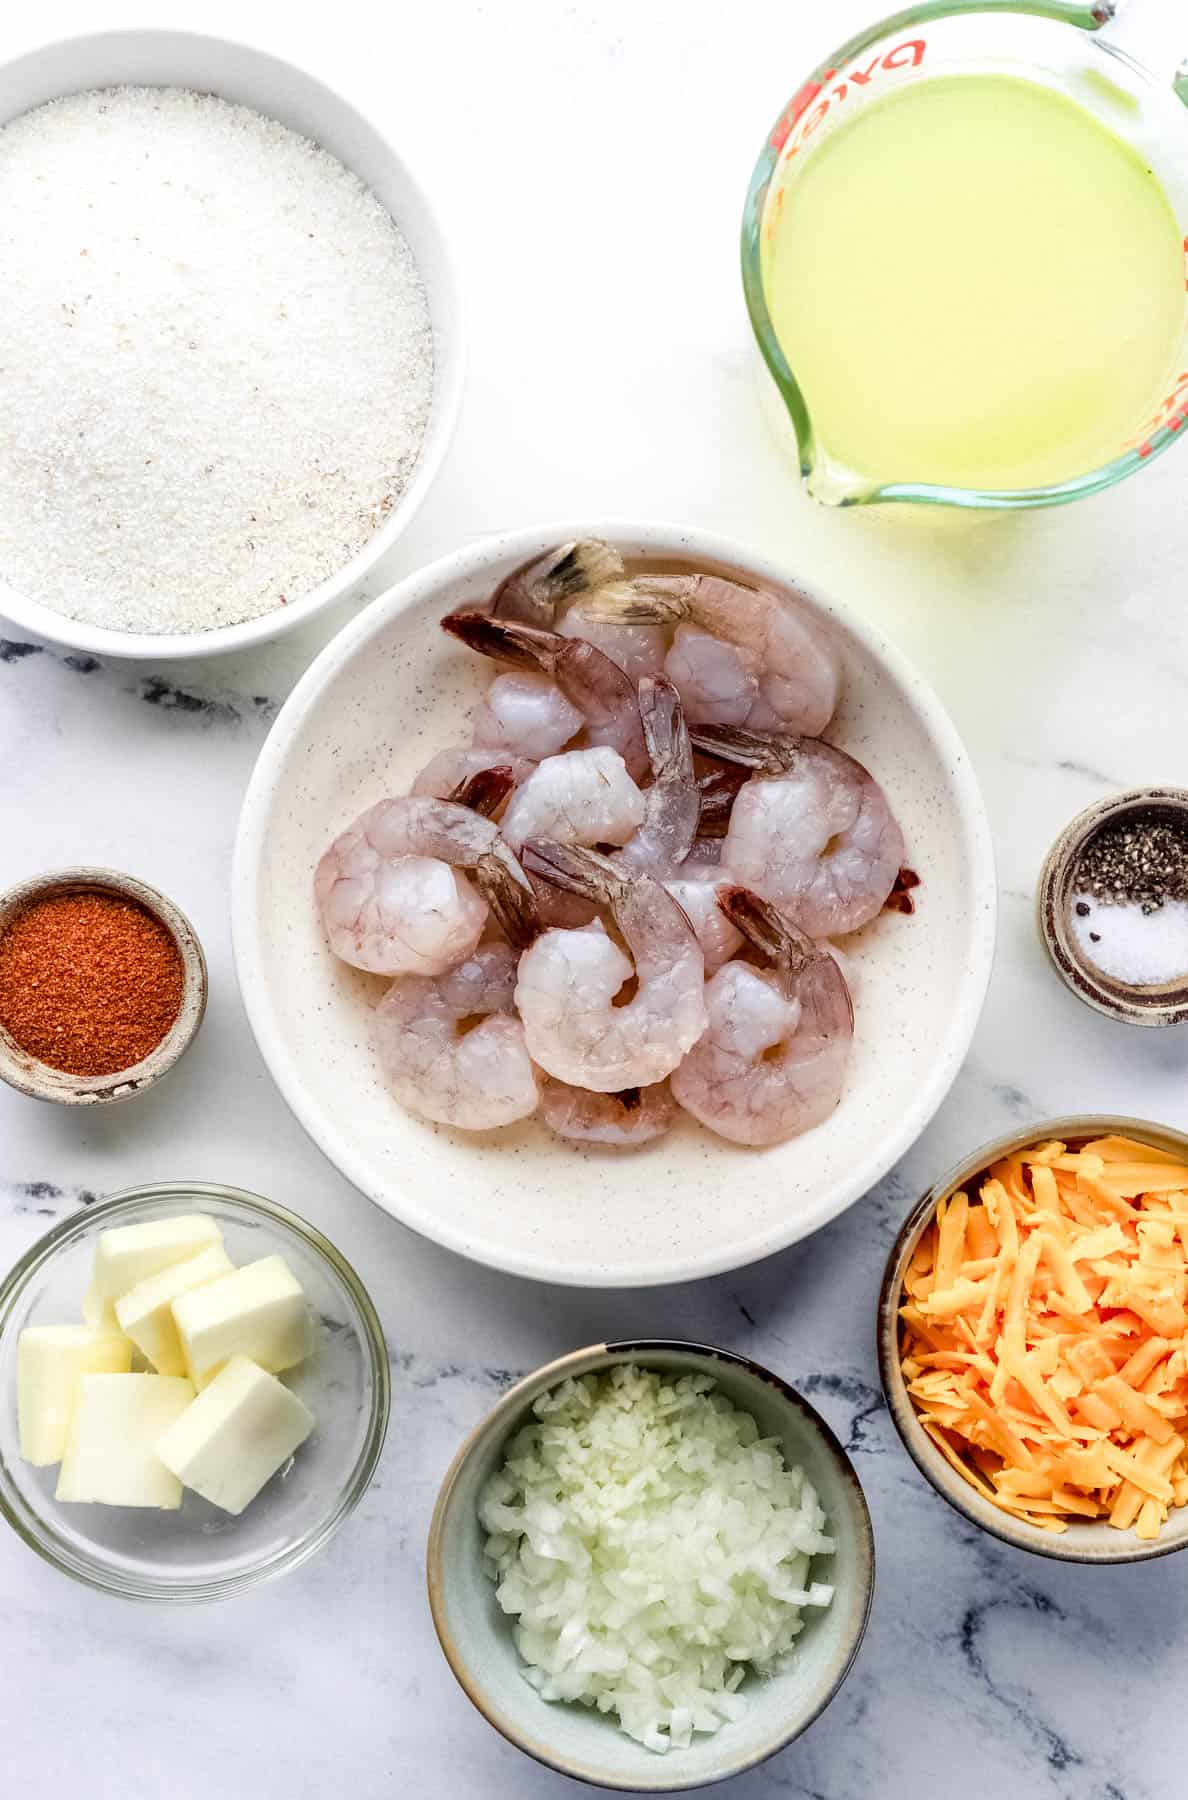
534, 592
638, 649
526, 714
698, 899
634, 1116
572, 799
444, 773
590, 681
811, 830
477, 1078
773, 1057
672, 805
538, 594
523, 905
569, 979
775, 637
390, 889
719, 682
581, 797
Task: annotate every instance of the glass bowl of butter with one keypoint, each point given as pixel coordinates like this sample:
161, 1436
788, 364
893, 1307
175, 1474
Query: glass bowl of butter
194, 1392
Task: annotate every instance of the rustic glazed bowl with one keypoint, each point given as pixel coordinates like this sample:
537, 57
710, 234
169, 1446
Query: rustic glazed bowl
1085, 1541
277, 89
391, 690
476, 1635
1159, 1003
42, 1082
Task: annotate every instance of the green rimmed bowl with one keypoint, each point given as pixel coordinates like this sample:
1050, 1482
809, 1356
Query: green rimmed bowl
476, 1635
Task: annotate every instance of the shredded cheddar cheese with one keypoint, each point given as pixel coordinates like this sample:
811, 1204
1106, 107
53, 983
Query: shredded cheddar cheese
1044, 1334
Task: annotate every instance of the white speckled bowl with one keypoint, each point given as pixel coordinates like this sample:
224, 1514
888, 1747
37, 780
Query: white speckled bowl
476, 1635
250, 77
389, 691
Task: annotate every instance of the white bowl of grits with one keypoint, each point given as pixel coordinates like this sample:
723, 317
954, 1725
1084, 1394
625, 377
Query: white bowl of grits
390, 692
270, 437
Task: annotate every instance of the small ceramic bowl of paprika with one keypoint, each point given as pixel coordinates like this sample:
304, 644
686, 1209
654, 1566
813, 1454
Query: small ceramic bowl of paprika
102, 986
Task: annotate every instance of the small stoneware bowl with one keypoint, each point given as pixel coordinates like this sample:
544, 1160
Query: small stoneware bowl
1085, 1541
199, 1552
24, 1072
477, 1636
249, 77
390, 691
1159, 1003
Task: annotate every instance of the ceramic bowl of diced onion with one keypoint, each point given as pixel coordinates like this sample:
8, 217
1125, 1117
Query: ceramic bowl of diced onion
651, 1566
184, 1546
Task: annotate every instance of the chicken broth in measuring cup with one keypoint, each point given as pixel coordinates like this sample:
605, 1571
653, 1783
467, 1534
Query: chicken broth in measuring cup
976, 283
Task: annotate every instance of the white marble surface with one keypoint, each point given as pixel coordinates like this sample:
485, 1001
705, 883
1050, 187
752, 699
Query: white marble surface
592, 159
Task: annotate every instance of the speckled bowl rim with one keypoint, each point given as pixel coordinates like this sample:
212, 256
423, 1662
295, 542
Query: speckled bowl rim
1149, 1006
130, 54
689, 543
90, 1569
501, 1419
1115, 1546
39, 1080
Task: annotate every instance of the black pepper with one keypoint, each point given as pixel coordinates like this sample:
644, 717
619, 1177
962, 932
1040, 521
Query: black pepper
1140, 859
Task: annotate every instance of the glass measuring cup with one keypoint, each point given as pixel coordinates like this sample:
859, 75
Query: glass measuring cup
1060, 46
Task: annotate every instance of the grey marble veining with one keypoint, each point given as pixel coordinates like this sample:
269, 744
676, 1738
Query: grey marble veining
1014, 1670
1059, 642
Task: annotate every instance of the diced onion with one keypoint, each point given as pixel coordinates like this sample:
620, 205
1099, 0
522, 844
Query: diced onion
653, 1548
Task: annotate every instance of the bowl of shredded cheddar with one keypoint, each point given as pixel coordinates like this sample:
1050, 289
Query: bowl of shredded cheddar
1033, 1338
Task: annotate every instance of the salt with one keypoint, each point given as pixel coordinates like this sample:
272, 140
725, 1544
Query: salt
1129, 944
216, 361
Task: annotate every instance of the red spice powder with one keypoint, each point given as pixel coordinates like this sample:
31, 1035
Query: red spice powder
89, 983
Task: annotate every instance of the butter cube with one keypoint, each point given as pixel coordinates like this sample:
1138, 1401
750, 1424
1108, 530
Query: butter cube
241, 1429
111, 1451
97, 1312
145, 1314
260, 1311
51, 1363
128, 1254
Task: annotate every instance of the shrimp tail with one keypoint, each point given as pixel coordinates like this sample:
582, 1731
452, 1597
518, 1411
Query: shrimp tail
773, 935
767, 753
533, 593
648, 600
505, 641
672, 804
509, 895
665, 732
485, 791
573, 868
718, 791
605, 694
